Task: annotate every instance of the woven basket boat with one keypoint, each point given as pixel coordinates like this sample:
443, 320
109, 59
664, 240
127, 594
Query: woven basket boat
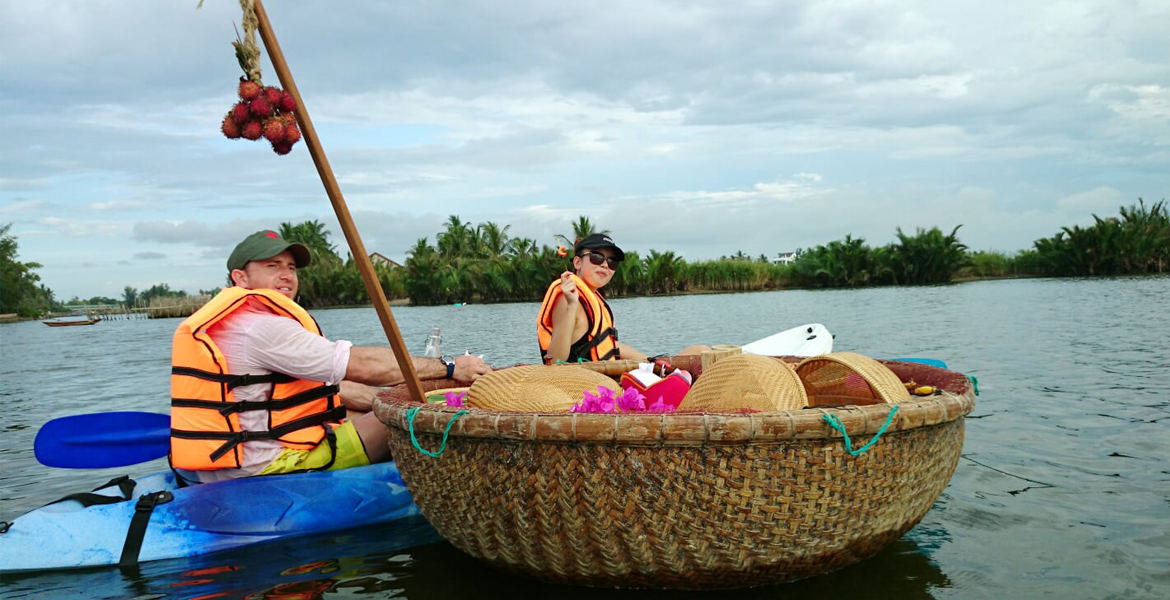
688, 501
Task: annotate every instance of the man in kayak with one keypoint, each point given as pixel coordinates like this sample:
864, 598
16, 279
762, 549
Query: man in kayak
575, 323
256, 389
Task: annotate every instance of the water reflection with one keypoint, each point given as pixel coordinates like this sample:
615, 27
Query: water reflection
301, 568
409, 560
430, 576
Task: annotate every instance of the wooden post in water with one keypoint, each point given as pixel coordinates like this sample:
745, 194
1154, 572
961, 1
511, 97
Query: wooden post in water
356, 247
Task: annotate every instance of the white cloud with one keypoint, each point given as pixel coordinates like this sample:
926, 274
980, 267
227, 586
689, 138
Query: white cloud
17, 207
120, 205
58, 226
702, 129
1102, 201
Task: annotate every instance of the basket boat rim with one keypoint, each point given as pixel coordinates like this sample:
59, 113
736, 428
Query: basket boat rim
685, 428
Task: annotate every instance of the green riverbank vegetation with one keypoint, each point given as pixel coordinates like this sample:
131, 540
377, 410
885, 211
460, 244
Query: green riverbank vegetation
21, 294
483, 263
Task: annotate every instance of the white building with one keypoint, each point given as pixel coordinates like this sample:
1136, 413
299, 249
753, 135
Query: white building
380, 259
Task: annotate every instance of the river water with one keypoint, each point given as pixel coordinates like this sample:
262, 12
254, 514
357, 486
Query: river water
1063, 490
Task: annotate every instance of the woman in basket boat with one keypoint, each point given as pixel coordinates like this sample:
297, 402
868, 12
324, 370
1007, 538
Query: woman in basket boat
575, 323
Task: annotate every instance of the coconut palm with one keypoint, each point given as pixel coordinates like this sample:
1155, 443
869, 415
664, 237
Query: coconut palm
924, 258
491, 240
458, 239
314, 236
663, 270
582, 228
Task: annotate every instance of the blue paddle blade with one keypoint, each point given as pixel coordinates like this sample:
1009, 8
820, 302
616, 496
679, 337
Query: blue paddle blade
100, 440
934, 362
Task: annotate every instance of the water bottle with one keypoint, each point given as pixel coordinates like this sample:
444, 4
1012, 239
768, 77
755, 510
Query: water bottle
432, 347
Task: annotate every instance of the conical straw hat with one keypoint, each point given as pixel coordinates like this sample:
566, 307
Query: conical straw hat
748, 381
850, 378
535, 388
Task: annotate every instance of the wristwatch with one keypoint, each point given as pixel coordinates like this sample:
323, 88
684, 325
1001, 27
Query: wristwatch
450, 367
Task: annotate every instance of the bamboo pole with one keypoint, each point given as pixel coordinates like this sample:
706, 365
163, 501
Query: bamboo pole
356, 247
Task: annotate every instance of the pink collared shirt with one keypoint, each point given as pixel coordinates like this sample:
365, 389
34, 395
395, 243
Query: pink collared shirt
256, 341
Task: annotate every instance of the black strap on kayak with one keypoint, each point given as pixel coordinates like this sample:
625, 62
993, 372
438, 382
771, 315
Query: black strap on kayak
137, 531
87, 499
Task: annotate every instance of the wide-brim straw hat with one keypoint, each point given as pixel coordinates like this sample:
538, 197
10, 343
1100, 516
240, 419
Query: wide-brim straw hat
746, 381
849, 378
535, 388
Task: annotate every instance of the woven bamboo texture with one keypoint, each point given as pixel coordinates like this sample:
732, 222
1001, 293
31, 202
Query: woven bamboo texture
746, 381
689, 501
849, 378
535, 388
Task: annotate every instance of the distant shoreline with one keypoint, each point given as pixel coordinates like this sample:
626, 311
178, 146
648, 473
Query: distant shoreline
401, 302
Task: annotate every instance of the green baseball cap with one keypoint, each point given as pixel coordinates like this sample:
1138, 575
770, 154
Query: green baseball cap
266, 244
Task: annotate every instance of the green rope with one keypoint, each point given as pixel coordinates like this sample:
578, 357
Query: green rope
835, 423
412, 413
975, 383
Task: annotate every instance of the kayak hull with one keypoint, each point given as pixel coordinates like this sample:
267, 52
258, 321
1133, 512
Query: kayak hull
205, 518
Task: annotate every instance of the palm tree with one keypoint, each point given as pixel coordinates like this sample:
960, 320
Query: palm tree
582, 228
662, 270
314, 236
457, 240
491, 240
925, 258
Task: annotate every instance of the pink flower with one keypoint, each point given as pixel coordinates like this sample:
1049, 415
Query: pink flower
455, 398
605, 401
590, 403
631, 401
660, 407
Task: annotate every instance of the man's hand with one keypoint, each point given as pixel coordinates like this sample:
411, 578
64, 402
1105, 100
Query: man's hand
357, 397
470, 368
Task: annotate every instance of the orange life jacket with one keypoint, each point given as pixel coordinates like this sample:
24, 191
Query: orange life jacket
600, 341
205, 423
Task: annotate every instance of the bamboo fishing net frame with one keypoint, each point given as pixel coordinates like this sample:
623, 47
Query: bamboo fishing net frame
684, 500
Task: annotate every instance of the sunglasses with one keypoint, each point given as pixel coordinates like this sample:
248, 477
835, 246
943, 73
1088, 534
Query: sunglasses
597, 258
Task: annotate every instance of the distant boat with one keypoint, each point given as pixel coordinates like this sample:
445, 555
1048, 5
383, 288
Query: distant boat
72, 323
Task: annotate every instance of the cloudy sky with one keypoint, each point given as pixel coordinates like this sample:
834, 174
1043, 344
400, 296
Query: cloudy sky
698, 127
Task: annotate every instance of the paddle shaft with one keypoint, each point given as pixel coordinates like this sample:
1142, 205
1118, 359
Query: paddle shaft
356, 247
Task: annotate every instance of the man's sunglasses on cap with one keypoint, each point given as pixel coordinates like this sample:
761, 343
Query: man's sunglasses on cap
597, 258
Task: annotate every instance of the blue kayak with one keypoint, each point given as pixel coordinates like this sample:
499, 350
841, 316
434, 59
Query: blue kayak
199, 519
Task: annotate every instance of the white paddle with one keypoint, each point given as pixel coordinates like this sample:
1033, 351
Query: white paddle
807, 340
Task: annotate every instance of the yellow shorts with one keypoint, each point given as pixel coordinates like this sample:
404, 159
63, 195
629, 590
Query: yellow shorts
350, 453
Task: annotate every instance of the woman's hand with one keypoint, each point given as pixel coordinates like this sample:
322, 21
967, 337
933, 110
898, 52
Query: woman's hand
569, 288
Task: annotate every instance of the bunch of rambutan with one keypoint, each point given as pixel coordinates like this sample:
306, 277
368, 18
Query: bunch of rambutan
263, 112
